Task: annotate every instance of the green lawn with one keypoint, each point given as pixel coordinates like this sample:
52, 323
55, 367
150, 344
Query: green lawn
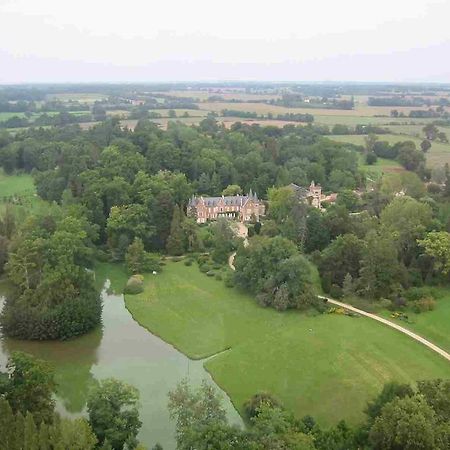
16, 184
433, 325
22, 187
328, 365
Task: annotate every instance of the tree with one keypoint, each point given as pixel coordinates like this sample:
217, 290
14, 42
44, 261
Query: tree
55, 296
407, 220
437, 245
232, 189
343, 256
431, 131
370, 140
389, 392
272, 269
19, 432
425, 145
31, 386
113, 413
409, 157
223, 241
137, 260
380, 269
408, 423
176, 241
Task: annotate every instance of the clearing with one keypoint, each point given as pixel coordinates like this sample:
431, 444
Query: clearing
328, 366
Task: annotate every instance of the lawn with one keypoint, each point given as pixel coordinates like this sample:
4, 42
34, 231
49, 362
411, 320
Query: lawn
434, 325
20, 186
328, 365
16, 184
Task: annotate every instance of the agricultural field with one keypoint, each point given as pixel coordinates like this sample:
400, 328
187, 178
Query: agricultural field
82, 97
439, 153
204, 95
324, 365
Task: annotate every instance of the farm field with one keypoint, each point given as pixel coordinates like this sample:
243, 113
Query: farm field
439, 154
204, 95
82, 97
263, 108
327, 365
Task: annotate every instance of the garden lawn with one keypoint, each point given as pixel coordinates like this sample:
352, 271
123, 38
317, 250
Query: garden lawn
328, 366
432, 325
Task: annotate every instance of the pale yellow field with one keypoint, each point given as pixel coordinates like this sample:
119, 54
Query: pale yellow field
204, 95
263, 108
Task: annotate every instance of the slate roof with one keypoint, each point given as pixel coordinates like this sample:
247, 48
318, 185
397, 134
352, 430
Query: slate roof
235, 200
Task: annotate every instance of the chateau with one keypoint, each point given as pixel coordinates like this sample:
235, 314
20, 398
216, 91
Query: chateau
313, 195
238, 207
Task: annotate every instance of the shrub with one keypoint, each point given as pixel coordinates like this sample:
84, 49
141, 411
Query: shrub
188, 262
218, 277
416, 293
229, 280
386, 303
424, 304
217, 266
253, 404
336, 291
135, 285
202, 259
210, 273
177, 258
205, 268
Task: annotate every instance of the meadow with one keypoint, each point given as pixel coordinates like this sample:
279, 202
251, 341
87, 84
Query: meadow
21, 187
327, 365
438, 155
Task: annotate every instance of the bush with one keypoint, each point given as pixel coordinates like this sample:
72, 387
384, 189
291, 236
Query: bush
188, 262
176, 258
205, 268
210, 273
218, 277
135, 285
386, 303
336, 291
424, 304
253, 405
217, 266
202, 259
229, 280
417, 293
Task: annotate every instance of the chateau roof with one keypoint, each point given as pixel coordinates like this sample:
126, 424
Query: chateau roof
235, 200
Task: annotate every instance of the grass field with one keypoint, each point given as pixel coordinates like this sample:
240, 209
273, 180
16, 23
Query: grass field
20, 186
438, 155
204, 95
328, 365
434, 325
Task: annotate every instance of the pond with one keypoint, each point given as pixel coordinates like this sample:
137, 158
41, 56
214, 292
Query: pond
121, 348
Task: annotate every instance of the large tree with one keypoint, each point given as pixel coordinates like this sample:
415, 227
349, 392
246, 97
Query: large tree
113, 413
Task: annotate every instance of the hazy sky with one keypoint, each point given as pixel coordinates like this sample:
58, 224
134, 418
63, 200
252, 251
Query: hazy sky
145, 40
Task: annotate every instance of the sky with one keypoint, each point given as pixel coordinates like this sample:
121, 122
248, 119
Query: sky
208, 40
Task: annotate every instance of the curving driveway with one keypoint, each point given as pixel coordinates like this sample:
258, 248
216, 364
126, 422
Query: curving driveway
415, 336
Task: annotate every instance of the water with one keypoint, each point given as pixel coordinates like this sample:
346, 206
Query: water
124, 350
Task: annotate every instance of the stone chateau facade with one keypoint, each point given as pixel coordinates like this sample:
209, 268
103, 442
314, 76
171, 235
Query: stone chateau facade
237, 207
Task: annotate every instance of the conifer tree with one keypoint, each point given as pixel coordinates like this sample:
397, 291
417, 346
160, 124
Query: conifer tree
176, 242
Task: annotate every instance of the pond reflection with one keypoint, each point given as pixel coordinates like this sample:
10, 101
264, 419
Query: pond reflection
121, 348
